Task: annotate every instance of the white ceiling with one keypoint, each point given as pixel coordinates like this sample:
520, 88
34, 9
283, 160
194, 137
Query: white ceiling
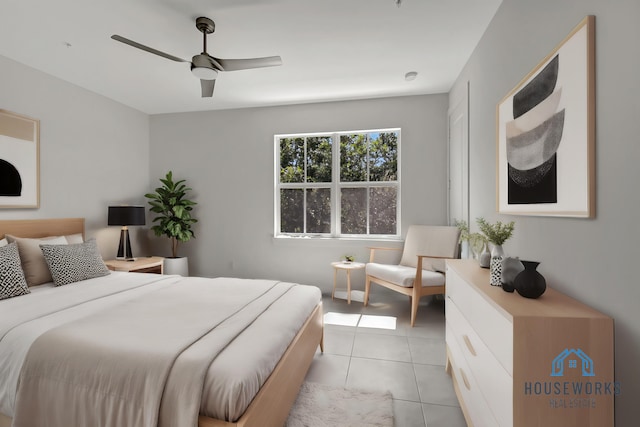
331, 49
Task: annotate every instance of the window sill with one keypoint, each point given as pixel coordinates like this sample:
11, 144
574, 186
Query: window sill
341, 241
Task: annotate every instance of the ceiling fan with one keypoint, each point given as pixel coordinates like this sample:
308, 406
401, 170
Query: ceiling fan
204, 66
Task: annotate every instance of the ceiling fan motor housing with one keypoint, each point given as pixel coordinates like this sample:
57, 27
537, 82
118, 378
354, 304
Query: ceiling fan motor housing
202, 67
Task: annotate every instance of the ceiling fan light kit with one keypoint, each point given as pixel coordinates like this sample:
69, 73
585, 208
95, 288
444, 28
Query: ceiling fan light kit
204, 66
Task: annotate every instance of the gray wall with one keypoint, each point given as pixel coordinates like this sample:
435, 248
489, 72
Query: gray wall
93, 151
228, 159
592, 260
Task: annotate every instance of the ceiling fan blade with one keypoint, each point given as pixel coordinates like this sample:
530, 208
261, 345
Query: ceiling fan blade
147, 48
207, 88
243, 64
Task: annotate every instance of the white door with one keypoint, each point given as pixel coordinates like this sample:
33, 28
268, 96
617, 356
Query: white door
459, 159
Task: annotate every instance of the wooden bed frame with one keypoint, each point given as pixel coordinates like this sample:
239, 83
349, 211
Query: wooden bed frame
271, 406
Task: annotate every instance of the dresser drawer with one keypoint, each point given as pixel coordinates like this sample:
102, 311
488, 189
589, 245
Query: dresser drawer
494, 381
469, 393
493, 328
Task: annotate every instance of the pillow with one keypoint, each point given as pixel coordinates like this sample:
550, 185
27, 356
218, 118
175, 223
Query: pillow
12, 281
3, 242
33, 263
74, 238
75, 262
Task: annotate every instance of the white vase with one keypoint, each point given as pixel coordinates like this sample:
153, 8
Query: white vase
179, 266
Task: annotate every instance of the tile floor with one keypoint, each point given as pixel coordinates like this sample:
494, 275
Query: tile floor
407, 361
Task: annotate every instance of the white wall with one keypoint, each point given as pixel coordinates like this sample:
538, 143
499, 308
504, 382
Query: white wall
93, 151
227, 158
593, 260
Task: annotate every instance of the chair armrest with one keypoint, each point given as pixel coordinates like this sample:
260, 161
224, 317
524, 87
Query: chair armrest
432, 256
372, 251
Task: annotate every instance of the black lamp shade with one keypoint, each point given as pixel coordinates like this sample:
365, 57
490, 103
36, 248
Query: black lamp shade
126, 215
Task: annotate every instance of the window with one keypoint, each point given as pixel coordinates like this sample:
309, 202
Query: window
341, 184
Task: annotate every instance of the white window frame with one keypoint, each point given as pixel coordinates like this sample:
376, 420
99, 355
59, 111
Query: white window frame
335, 186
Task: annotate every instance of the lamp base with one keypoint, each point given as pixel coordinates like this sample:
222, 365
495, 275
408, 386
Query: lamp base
124, 248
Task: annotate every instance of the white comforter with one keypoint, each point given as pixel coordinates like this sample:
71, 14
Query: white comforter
232, 380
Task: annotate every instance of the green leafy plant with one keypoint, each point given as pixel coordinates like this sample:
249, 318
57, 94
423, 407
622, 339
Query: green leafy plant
497, 233
464, 230
349, 258
173, 207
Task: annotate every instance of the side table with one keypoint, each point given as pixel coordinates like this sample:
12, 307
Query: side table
346, 266
152, 264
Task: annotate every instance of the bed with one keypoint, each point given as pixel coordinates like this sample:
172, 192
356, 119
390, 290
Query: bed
241, 386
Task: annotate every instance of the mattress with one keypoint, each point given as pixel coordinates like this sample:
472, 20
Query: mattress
232, 379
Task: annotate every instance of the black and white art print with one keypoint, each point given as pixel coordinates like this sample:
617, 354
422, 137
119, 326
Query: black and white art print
19, 161
546, 134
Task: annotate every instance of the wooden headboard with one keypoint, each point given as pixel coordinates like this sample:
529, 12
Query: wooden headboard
42, 227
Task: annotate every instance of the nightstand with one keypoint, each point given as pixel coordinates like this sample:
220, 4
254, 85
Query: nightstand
152, 264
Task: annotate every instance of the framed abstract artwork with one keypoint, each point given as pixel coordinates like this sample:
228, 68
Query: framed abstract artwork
546, 134
19, 161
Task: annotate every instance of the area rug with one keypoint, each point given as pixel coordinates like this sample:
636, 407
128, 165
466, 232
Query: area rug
320, 405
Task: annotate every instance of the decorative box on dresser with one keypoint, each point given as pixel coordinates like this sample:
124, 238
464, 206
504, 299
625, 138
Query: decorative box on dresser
526, 362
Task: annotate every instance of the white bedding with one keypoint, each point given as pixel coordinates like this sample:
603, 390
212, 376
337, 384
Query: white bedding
232, 380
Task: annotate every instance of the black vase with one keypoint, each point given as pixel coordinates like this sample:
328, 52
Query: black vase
529, 282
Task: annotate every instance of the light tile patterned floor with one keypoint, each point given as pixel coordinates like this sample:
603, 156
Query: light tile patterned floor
407, 361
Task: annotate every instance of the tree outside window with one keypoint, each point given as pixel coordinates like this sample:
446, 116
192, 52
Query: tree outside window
345, 189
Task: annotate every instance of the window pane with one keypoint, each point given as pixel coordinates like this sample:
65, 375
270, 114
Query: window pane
292, 160
319, 159
291, 208
354, 210
319, 210
353, 158
382, 213
383, 156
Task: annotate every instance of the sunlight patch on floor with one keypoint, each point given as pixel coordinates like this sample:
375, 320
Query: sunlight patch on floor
378, 322
342, 319
360, 320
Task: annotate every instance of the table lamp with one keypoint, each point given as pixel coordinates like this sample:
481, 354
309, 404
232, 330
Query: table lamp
125, 216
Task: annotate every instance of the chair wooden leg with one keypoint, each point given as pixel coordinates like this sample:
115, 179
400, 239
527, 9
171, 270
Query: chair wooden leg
415, 301
367, 288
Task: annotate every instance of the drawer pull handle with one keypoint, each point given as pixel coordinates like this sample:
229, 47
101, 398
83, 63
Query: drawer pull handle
465, 380
469, 345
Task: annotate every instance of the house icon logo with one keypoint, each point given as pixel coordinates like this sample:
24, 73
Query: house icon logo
558, 364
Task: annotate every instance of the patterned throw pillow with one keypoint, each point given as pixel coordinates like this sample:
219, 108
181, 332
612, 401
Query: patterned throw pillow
12, 281
33, 263
73, 263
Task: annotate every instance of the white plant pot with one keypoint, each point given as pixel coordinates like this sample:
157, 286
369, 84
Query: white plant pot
179, 266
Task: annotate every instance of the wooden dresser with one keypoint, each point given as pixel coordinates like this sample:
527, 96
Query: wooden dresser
526, 362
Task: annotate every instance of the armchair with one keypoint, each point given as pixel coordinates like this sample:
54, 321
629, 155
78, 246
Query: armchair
422, 266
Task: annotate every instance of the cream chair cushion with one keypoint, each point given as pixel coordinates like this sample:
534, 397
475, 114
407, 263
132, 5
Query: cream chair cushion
436, 241
402, 275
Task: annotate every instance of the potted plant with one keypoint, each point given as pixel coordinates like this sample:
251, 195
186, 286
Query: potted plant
476, 241
497, 234
173, 219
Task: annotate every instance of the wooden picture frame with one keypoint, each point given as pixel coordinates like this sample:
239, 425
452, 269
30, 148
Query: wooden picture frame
546, 134
19, 161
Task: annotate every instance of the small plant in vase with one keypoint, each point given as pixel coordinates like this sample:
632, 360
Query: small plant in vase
348, 259
477, 242
496, 234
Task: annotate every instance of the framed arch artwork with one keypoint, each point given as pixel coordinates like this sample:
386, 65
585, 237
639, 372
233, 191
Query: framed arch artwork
19, 161
546, 134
